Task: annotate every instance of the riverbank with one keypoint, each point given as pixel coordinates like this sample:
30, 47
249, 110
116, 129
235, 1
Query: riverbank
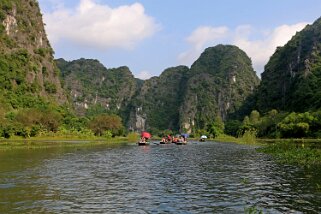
57, 141
304, 152
287, 152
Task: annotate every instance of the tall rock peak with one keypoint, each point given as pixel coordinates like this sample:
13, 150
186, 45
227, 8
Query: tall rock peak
27, 63
291, 79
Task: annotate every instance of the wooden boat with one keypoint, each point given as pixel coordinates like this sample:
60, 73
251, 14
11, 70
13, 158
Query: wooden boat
140, 143
181, 143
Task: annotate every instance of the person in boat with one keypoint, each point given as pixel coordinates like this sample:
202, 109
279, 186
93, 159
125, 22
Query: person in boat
169, 138
175, 139
143, 140
164, 140
184, 139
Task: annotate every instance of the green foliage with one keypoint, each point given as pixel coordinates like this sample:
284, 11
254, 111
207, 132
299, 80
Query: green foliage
199, 132
231, 127
292, 77
223, 75
50, 87
102, 123
293, 153
167, 132
282, 125
94, 110
133, 137
6, 6
216, 128
42, 51
107, 134
296, 124
249, 136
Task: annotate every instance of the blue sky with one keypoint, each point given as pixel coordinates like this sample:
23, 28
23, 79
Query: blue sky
149, 36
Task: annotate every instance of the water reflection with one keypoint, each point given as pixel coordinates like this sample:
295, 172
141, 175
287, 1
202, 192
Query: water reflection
196, 178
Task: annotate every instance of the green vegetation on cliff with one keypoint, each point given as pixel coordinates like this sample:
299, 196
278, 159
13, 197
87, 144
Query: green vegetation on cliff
29, 77
218, 83
292, 78
95, 89
179, 99
159, 100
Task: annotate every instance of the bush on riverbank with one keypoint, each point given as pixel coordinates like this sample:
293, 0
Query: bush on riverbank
293, 153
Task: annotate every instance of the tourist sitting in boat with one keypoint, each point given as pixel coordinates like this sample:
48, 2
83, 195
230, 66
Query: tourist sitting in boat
175, 140
143, 139
169, 139
163, 141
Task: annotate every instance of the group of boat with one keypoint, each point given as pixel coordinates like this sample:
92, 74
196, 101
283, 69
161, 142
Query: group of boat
177, 139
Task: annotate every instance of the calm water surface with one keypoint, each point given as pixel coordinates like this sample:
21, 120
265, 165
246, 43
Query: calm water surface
194, 178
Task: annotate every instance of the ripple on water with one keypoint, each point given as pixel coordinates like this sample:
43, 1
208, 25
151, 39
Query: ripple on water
196, 178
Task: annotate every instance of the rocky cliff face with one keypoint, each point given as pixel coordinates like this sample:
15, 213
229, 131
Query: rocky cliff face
92, 87
28, 71
179, 99
188, 99
158, 101
218, 83
292, 78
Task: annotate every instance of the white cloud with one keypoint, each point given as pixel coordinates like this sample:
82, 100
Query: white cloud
258, 44
260, 50
143, 75
198, 39
100, 26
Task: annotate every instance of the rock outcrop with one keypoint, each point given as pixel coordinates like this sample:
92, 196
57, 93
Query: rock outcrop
28, 72
291, 80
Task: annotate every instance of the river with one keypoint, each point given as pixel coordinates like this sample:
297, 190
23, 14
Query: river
125, 178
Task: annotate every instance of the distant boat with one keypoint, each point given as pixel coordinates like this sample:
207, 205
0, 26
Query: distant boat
203, 138
181, 143
144, 139
140, 143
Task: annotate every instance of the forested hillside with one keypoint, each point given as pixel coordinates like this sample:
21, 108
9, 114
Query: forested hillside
291, 80
41, 95
217, 84
28, 75
288, 100
179, 99
95, 89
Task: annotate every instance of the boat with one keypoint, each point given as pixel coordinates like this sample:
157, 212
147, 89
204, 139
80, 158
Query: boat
203, 138
144, 139
140, 143
181, 143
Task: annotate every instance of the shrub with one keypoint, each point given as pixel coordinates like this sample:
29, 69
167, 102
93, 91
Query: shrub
50, 87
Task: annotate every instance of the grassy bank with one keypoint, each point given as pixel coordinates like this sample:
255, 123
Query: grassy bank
51, 144
291, 152
306, 152
59, 141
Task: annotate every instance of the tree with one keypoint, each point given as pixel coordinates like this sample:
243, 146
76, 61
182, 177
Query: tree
216, 128
254, 117
231, 127
296, 124
103, 122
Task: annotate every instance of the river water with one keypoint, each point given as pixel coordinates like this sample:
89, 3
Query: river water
125, 178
